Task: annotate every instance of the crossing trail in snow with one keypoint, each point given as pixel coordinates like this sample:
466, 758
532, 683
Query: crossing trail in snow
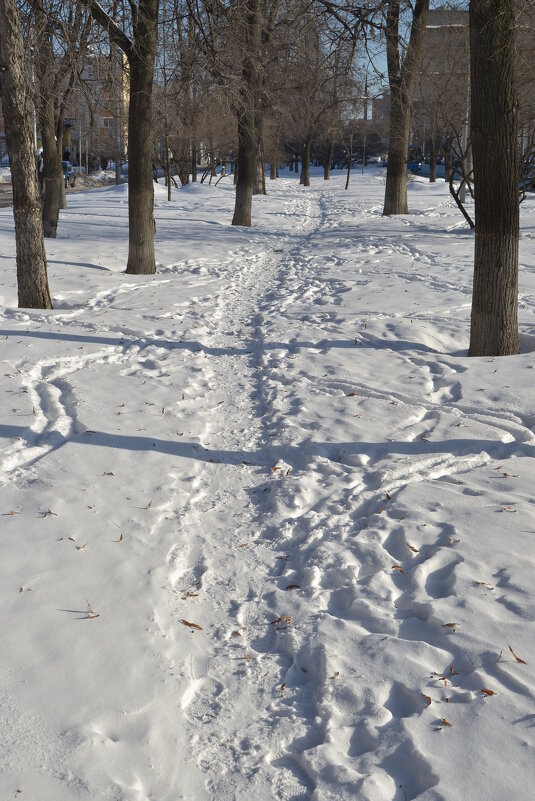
258, 511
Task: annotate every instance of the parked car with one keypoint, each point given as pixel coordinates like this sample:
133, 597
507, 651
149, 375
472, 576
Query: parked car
68, 173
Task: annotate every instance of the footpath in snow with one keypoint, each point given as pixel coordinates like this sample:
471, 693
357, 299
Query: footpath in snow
266, 531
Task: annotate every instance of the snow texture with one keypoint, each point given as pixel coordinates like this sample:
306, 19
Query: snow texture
267, 532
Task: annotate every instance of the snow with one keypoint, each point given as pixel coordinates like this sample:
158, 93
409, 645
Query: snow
267, 532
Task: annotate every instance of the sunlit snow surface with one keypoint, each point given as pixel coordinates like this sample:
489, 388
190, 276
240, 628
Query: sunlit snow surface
280, 439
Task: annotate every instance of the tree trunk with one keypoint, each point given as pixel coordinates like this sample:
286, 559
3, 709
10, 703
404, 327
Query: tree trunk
396, 171
494, 323
193, 150
401, 76
432, 158
448, 159
259, 187
273, 171
141, 259
328, 161
245, 168
350, 159
246, 117
304, 179
52, 169
59, 154
16, 100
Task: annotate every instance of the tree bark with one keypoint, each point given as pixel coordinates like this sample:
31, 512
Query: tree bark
448, 159
304, 179
328, 161
273, 171
140, 52
245, 168
350, 159
401, 76
32, 280
494, 322
52, 170
259, 187
432, 158
141, 259
246, 116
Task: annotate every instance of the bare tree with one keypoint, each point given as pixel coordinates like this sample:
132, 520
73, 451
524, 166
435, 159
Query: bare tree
140, 51
16, 99
401, 76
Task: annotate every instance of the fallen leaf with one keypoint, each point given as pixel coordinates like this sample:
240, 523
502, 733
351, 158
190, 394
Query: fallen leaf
388, 496
453, 672
121, 538
293, 587
488, 692
446, 723
335, 676
149, 504
191, 625
517, 658
281, 619
412, 548
283, 687
351, 394
450, 626
428, 699
398, 567
90, 615
48, 512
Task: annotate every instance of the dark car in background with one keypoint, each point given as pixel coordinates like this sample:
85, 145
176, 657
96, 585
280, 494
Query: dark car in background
68, 173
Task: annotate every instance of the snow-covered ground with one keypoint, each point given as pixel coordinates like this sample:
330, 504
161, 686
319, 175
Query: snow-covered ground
266, 531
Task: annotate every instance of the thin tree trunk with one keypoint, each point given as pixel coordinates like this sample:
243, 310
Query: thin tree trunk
350, 159
52, 170
448, 159
259, 187
32, 280
494, 323
432, 158
304, 179
328, 161
59, 154
273, 171
401, 76
193, 150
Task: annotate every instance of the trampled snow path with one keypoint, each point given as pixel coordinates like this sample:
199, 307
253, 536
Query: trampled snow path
275, 476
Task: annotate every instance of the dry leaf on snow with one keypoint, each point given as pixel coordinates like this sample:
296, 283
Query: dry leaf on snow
517, 658
191, 625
